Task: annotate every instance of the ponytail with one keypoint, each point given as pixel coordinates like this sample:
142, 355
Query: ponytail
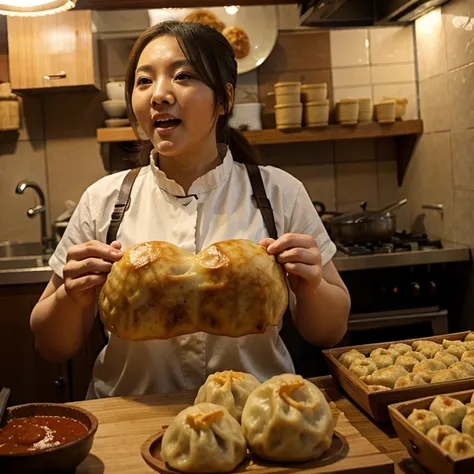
242, 151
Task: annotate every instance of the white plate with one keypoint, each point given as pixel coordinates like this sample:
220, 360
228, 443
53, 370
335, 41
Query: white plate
259, 22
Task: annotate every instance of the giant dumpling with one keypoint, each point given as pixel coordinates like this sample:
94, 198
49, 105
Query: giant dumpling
158, 291
229, 389
204, 438
287, 419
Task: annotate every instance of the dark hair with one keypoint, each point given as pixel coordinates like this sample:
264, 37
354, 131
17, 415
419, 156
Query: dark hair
213, 59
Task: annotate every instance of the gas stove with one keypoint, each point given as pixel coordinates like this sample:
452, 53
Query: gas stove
400, 242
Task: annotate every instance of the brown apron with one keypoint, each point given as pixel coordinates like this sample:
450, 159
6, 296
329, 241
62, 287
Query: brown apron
291, 337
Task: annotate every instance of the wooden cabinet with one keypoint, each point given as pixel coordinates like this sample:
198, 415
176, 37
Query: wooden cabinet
52, 51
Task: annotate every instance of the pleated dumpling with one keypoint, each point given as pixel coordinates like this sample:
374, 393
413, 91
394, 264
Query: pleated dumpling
438, 433
423, 420
429, 365
410, 380
400, 347
470, 408
457, 350
469, 345
416, 355
361, 367
406, 362
384, 357
444, 375
460, 445
467, 425
204, 438
386, 376
469, 337
347, 358
446, 358
287, 419
462, 370
450, 411
468, 357
429, 350
229, 389
447, 343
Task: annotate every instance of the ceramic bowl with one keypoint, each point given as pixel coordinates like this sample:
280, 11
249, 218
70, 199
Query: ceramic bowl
114, 108
62, 458
115, 90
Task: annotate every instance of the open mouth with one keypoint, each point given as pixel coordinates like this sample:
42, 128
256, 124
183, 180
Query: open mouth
167, 124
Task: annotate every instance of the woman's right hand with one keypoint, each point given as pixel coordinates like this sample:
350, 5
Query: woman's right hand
87, 267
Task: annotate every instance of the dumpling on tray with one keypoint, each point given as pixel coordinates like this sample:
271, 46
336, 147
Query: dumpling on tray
429, 350
229, 389
361, 367
410, 380
384, 357
288, 419
429, 365
400, 347
386, 376
438, 433
457, 350
462, 370
416, 355
450, 411
447, 343
469, 337
446, 358
468, 357
423, 420
406, 362
444, 375
204, 438
467, 425
461, 445
347, 358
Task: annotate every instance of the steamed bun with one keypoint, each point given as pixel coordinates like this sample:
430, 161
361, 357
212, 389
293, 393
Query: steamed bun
438, 433
204, 438
467, 424
423, 420
450, 411
229, 389
461, 445
286, 419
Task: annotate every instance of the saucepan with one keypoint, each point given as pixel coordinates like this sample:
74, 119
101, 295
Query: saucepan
361, 227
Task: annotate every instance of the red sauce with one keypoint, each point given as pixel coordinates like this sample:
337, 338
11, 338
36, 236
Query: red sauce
23, 435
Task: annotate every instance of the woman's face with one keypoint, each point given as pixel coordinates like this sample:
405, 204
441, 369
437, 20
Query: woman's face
175, 109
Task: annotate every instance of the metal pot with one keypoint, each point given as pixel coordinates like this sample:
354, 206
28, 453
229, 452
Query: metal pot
363, 227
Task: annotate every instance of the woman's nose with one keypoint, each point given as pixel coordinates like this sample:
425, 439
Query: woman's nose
162, 94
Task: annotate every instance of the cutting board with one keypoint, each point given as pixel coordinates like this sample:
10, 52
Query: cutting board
125, 423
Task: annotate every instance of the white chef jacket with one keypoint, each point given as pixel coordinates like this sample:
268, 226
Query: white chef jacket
218, 207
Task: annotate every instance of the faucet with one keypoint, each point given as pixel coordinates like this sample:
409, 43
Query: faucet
39, 209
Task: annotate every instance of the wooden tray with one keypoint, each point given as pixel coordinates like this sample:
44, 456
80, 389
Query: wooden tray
426, 452
349, 453
376, 403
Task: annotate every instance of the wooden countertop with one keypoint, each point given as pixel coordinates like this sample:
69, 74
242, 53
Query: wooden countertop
120, 448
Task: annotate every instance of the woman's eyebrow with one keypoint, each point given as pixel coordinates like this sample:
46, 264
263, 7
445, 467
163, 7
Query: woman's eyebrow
148, 68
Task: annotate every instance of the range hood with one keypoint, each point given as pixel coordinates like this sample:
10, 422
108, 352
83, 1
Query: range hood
353, 13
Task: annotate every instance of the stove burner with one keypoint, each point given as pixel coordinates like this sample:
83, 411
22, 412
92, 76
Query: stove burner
400, 242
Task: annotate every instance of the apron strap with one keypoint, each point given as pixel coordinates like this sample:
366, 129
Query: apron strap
121, 204
261, 199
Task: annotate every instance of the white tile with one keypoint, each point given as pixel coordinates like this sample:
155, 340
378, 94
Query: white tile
459, 27
462, 144
430, 44
349, 47
354, 92
393, 73
434, 104
461, 94
391, 45
351, 76
399, 90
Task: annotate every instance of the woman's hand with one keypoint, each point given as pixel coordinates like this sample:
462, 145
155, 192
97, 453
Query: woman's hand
300, 256
87, 267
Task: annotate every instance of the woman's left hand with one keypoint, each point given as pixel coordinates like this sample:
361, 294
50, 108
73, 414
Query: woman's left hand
300, 256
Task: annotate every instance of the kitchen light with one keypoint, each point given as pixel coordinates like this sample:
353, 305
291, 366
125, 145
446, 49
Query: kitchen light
232, 10
34, 7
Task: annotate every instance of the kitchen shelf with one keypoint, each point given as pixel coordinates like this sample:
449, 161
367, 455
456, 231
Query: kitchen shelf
275, 137
138, 4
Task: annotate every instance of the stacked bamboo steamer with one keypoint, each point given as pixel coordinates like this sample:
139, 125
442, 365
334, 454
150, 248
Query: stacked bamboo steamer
9, 108
295, 101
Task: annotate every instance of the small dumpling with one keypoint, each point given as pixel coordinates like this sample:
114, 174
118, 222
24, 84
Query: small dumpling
386, 376
380, 351
438, 433
468, 357
470, 408
417, 344
377, 388
447, 343
469, 337
400, 347
462, 370
430, 350
406, 362
446, 358
287, 419
416, 355
204, 438
461, 445
467, 425
347, 358
361, 367
426, 376
469, 345
383, 357
410, 380
444, 375
428, 365
450, 411
229, 389
457, 350
423, 420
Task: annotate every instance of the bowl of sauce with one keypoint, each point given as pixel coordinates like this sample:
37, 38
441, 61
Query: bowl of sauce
45, 438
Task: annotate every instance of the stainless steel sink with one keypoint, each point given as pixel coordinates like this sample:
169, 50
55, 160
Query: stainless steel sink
22, 263
20, 249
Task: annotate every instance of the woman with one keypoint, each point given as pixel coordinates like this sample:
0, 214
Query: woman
180, 88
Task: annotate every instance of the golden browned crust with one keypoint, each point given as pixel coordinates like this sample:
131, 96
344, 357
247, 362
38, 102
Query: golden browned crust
158, 290
239, 41
206, 17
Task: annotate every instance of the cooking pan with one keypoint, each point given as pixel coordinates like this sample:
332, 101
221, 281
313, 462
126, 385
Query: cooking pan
361, 227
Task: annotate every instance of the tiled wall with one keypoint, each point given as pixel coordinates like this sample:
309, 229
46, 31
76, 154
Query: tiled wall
442, 168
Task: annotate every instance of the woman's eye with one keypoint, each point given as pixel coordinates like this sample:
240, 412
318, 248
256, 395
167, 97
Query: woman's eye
183, 76
143, 80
